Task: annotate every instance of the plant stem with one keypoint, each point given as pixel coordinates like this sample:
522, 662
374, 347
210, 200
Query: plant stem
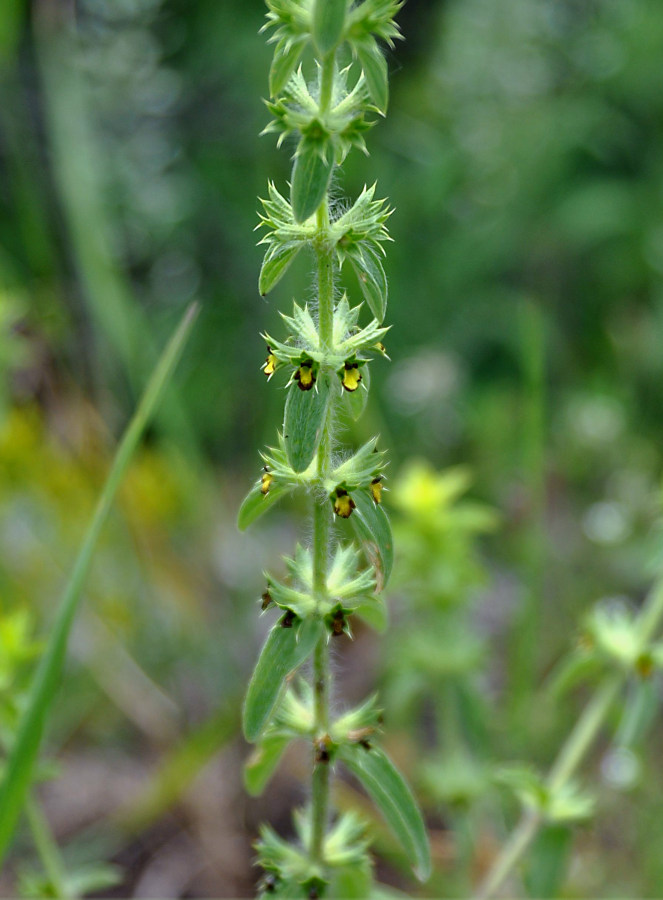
511, 852
322, 515
47, 849
326, 81
572, 752
582, 736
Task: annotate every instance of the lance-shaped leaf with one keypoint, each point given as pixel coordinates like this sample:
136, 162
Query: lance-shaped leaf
256, 503
305, 413
275, 264
374, 66
328, 21
287, 54
391, 794
372, 527
372, 280
548, 859
284, 651
262, 763
310, 176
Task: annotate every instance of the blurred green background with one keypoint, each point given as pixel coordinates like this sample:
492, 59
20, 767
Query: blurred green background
522, 152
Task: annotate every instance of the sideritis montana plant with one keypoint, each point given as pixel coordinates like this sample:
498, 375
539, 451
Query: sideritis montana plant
328, 83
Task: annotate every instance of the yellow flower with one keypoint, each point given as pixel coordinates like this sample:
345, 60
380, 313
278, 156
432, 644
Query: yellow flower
343, 504
376, 488
266, 482
270, 363
351, 377
304, 376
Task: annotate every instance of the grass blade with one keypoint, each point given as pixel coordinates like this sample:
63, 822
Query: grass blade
18, 774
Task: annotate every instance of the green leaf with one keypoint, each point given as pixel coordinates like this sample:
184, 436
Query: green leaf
328, 21
547, 861
262, 763
352, 882
640, 713
310, 177
11, 19
579, 667
256, 503
275, 264
374, 66
20, 766
303, 422
372, 527
283, 652
356, 400
286, 56
372, 280
374, 613
394, 799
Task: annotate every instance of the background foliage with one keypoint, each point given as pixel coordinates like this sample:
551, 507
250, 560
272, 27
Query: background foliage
522, 154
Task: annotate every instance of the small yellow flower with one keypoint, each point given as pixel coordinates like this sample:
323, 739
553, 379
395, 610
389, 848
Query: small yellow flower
266, 482
343, 504
376, 487
304, 376
270, 364
351, 377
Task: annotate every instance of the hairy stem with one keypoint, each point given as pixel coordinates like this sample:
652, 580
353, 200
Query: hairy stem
326, 81
322, 516
572, 752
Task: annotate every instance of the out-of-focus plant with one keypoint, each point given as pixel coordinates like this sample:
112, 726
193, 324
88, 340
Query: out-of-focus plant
435, 661
13, 349
24, 718
433, 668
618, 649
326, 356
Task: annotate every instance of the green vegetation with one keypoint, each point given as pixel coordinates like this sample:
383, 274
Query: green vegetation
515, 649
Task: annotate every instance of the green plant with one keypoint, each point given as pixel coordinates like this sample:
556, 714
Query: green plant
325, 356
618, 648
433, 669
24, 718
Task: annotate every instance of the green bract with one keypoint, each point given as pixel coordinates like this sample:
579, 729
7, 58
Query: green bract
323, 361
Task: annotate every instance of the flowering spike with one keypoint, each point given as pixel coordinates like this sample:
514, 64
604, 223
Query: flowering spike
327, 110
